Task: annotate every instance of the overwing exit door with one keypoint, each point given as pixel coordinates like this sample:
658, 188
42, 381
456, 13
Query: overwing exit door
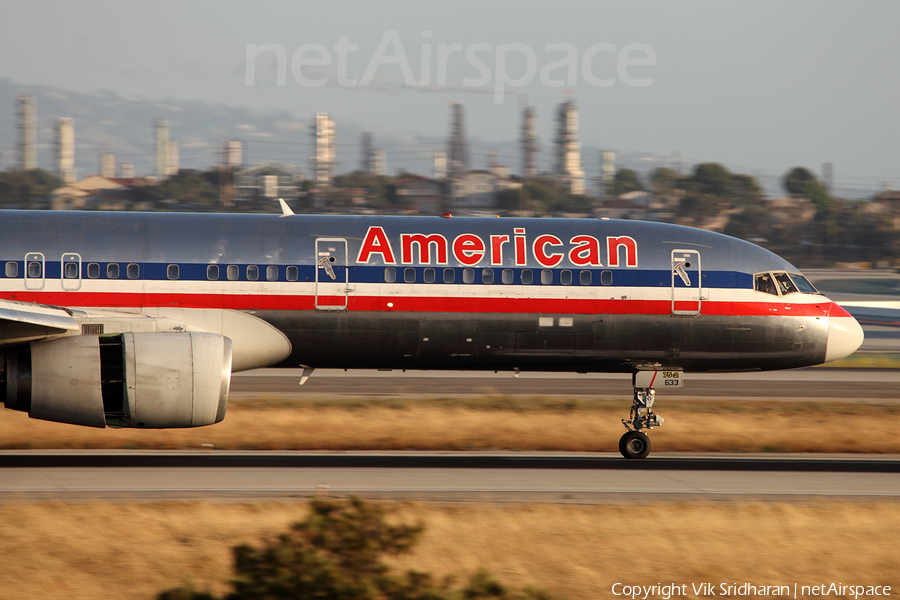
687, 274
332, 274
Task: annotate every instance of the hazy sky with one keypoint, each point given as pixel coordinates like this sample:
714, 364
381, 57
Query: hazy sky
760, 86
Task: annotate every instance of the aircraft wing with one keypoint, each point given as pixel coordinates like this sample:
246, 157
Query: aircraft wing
27, 321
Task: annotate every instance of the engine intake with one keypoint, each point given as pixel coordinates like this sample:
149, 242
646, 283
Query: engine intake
149, 380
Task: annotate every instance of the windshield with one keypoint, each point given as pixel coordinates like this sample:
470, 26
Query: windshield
803, 284
763, 283
785, 285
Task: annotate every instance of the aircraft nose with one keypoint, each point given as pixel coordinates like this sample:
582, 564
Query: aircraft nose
845, 335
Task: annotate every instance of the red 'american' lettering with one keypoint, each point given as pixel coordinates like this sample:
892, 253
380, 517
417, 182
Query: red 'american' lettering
469, 249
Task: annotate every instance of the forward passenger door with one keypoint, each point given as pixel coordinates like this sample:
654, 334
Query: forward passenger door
687, 279
332, 274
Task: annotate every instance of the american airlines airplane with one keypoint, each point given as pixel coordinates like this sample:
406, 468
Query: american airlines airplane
139, 320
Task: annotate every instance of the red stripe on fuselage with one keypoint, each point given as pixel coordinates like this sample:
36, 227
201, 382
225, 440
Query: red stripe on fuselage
433, 304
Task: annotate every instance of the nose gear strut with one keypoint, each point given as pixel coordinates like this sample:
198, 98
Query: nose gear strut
635, 443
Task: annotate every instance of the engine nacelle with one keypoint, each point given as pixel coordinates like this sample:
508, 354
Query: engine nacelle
148, 380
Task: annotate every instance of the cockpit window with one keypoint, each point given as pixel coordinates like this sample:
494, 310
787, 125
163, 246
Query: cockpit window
785, 285
764, 283
803, 284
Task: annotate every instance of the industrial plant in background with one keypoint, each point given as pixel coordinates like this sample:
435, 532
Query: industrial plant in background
807, 218
240, 184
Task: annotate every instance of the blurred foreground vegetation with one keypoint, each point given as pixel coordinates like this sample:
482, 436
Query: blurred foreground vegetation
336, 553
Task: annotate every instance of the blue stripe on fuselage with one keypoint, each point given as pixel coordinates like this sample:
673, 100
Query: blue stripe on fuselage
376, 274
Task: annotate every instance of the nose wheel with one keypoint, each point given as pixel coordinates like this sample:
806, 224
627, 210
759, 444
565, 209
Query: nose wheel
634, 444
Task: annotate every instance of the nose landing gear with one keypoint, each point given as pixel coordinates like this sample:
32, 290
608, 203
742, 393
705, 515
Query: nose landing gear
635, 443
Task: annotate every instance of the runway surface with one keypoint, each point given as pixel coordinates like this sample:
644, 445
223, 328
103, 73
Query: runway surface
879, 385
544, 477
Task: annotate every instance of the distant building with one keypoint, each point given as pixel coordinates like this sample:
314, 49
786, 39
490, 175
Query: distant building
65, 149
267, 181
607, 173
365, 158
173, 162
324, 148
477, 190
622, 208
568, 151
640, 197
378, 162
529, 143
457, 147
108, 164
424, 193
161, 136
440, 165
27, 149
354, 200
888, 203
127, 169
97, 192
233, 154
373, 160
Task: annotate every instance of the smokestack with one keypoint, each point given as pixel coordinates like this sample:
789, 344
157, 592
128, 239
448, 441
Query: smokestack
27, 133
65, 149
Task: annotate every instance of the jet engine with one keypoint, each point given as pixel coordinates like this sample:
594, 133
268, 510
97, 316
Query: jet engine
147, 380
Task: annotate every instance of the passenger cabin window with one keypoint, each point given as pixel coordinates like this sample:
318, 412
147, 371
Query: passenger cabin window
291, 273
71, 270
172, 271
449, 275
233, 272
429, 275
785, 285
133, 271
12, 269
527, 276
272, 273
93, 270
112, 271
252, 272
764, 283
546, 277
212, 272
35, 270
565, 277
803, 284
605, 277
507, 276
409, 275
468, 276
487, 276
585, 278
390, 275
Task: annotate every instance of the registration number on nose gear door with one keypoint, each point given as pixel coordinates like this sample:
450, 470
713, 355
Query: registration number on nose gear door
659, 379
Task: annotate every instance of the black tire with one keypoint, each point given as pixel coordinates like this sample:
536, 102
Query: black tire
634, 445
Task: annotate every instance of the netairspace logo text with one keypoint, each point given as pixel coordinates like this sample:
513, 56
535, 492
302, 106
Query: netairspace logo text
560, 64
667, 591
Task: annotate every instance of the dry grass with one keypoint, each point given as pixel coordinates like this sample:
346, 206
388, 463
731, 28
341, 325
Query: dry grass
533, 424
132, 551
